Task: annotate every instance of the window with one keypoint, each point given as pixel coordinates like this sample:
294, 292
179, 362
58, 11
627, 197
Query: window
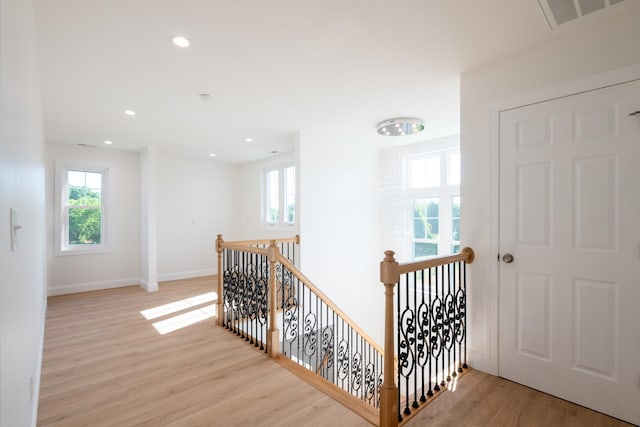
280, 195
426, 217
425, 172
81, 196
433, 189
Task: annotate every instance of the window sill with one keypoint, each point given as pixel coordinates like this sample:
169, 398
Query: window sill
278, 226
83, 251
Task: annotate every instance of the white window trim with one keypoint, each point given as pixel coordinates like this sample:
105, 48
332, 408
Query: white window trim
281, 224
62, 247
444, 193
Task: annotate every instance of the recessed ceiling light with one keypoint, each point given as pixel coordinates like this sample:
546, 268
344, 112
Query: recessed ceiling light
212, 154
130, 112
248, 140
181, 41
400, 127
108, 142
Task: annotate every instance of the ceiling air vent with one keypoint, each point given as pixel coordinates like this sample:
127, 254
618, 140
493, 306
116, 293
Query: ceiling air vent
558, 12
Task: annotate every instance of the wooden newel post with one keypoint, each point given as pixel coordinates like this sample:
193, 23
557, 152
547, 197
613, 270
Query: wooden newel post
220, 303
389, 392
273, 336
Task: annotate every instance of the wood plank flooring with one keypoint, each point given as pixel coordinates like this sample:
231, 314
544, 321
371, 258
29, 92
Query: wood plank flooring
105, 364
479, 400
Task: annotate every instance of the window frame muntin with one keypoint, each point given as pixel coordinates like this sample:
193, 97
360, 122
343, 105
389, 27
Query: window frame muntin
443, 193
62, 245
281, 169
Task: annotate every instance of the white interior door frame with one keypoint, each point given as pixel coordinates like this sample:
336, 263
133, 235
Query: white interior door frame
611, 78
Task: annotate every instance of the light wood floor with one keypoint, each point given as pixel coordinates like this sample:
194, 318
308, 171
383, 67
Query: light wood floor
479, 400
106, 365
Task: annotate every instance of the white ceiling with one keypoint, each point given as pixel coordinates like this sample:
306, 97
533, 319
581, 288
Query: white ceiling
273, 68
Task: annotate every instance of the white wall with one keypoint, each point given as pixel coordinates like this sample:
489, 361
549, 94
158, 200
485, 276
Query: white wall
196, 200
609, 45
149, 218
340, 224
121, 265
22, 272
250, 200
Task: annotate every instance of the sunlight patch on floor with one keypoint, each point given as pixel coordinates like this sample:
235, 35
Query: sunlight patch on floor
174, 307
185, 319
453, 384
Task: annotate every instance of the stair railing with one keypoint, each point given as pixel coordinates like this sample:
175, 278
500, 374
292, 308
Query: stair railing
243, 285
319, 336
266, 300
427, 331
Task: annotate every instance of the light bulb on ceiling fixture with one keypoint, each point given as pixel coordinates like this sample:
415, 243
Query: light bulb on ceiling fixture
181, 41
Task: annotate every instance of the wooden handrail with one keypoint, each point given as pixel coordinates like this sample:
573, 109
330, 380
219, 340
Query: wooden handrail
466, 254
244, 248
309, 284
295, 239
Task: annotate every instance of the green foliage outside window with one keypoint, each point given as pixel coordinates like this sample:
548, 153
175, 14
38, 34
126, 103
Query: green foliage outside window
273, 215
85, 219
426, 214
426, 226
291, 213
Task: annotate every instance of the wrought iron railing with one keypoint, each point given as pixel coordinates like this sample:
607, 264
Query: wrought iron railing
269, 303
429, 330
320, 337
244, 310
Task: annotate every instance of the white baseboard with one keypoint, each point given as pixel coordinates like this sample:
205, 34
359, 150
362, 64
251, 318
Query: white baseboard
186, 274
92, 286
478, 361
132, 281
148, 286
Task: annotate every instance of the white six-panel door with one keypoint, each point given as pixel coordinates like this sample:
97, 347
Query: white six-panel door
570, 218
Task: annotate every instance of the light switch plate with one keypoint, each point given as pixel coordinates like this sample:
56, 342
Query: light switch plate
13, 219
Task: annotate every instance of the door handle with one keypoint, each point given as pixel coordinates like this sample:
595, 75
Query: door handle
508, 258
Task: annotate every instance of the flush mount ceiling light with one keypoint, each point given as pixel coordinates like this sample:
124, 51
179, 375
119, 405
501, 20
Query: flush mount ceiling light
130, 112
400, 127
181, 41
108, 142
248, 140
212, 154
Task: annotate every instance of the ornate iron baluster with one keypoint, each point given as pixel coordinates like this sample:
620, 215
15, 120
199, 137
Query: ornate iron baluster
424, 352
